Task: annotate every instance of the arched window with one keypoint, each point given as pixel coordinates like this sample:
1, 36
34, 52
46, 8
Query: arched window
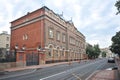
50, 51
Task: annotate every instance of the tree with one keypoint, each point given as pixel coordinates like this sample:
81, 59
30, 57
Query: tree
93, 51
117, 4
115, 47
89, 51
97, 50
103, 54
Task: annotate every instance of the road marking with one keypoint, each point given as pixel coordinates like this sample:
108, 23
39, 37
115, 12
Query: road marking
76, 76
91, 75
70, 70
18, 74
53, 75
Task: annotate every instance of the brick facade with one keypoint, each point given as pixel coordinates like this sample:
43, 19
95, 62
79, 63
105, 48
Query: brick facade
33, 30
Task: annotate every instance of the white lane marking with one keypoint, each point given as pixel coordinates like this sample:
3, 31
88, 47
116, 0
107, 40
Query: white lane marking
91, 75
18, 74
70, 70
53, 75
78, 78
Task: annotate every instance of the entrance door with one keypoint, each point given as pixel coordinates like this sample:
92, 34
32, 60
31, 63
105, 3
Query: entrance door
32, 59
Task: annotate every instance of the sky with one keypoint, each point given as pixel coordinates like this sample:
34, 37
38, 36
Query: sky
95, 19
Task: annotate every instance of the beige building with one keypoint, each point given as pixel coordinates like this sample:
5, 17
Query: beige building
108, 52
4, 44
62, 38
4, 40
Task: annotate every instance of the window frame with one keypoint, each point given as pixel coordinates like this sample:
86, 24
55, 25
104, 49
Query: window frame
63, 37
58, 35
51, 34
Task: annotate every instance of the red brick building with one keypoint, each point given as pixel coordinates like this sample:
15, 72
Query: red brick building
43, 37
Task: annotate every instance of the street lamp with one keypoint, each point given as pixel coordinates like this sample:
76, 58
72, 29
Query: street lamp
23, 47
16, 46
39, 48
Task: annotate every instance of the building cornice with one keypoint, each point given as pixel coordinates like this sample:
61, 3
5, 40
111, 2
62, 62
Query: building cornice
51, 16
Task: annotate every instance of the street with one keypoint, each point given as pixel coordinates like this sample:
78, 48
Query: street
75, 71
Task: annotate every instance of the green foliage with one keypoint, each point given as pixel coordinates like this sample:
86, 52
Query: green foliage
96, 50
117, 4
115, 47
93, 51
103, 54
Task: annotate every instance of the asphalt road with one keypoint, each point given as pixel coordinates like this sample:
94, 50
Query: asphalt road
75, 71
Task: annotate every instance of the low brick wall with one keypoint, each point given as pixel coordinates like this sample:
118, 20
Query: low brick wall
4, 66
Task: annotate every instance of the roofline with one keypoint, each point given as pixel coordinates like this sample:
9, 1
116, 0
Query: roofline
30, 13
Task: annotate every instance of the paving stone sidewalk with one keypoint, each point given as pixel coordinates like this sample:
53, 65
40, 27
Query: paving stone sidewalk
107, 74
103, 75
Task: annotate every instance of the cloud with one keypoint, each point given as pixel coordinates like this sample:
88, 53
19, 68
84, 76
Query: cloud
96, 19
102, 40
117, 28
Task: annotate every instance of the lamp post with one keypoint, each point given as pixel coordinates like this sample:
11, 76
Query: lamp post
39, 48
23, 48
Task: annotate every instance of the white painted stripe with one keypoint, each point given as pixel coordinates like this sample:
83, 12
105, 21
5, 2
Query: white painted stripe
53, 75
70, 70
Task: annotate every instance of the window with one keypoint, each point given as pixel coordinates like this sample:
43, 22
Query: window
7, 45
63, 37
58, 35
77, 43
72, 40
7, 38
50, 52
50, 33
58, 53
63, 54
25, 37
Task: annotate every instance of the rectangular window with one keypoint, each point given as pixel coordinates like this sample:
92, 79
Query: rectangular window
58, 35
72, 40
50, 33
7, 38
7, 45
63, 37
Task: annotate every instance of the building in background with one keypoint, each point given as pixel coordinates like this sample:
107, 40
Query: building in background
43, 36
4, 44
108, 52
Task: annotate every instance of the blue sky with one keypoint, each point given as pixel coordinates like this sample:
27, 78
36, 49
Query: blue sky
96, 19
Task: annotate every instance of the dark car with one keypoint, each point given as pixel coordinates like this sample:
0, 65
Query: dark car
111, 60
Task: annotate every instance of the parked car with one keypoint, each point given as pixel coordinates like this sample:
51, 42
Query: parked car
111, 60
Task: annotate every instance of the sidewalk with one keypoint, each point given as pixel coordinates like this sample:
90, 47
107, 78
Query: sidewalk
107, 74
39, 66
104, 75
33, 67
